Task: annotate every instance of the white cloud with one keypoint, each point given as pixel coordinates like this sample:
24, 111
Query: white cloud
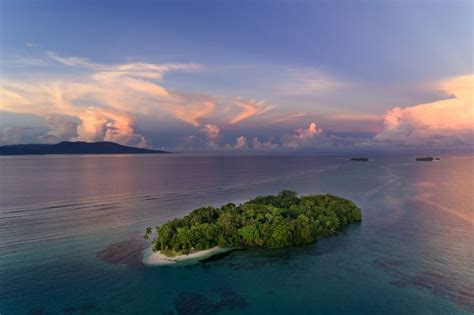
106, 99
301, 137
211, 131
241, 143
104, 102
213, 135
434, 124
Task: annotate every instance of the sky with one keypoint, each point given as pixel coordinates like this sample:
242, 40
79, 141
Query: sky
239, 76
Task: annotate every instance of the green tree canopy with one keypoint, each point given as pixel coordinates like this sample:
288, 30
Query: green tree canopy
266, 221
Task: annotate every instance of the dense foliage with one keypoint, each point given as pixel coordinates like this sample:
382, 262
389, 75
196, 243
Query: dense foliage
266, 221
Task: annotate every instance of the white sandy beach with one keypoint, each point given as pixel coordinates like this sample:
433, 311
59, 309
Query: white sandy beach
159, 259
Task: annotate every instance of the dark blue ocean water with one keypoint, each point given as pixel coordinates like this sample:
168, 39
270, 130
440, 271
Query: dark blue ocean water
60, 216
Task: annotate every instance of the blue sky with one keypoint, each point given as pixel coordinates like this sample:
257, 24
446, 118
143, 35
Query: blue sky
344, 65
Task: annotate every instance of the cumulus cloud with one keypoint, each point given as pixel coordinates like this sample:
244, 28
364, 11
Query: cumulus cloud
213, 135
311, 131
301, 137
266, 145
105, 100
61, 128
98, 124
314, 138
211, 131
445, 123
241, 143
438, 123
56, 100
110, 101
19, 135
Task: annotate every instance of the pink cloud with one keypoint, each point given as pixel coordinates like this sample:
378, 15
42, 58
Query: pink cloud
241, 143
213, 135
248, 108
301, 136
436, 121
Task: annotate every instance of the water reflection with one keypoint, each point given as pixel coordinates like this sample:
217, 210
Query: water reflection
63, 219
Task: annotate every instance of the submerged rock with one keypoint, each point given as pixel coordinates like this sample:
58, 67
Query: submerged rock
129, 252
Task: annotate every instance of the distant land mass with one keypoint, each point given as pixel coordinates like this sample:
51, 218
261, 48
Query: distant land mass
78, 147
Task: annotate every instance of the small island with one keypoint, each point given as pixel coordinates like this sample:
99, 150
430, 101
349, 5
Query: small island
425, 159
360, 159
274, 221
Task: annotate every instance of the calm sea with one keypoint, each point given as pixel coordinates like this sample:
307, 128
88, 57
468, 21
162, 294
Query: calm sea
70, 236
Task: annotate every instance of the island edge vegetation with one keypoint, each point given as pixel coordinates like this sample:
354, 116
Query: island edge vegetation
274, 221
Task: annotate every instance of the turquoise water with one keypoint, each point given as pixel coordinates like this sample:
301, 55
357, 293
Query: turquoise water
412, 254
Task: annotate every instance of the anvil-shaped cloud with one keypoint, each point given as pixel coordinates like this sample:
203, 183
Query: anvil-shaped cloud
444, 122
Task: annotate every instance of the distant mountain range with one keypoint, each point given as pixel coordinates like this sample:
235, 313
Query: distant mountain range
78, 147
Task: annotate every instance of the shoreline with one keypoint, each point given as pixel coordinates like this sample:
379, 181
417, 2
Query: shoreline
159, 259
